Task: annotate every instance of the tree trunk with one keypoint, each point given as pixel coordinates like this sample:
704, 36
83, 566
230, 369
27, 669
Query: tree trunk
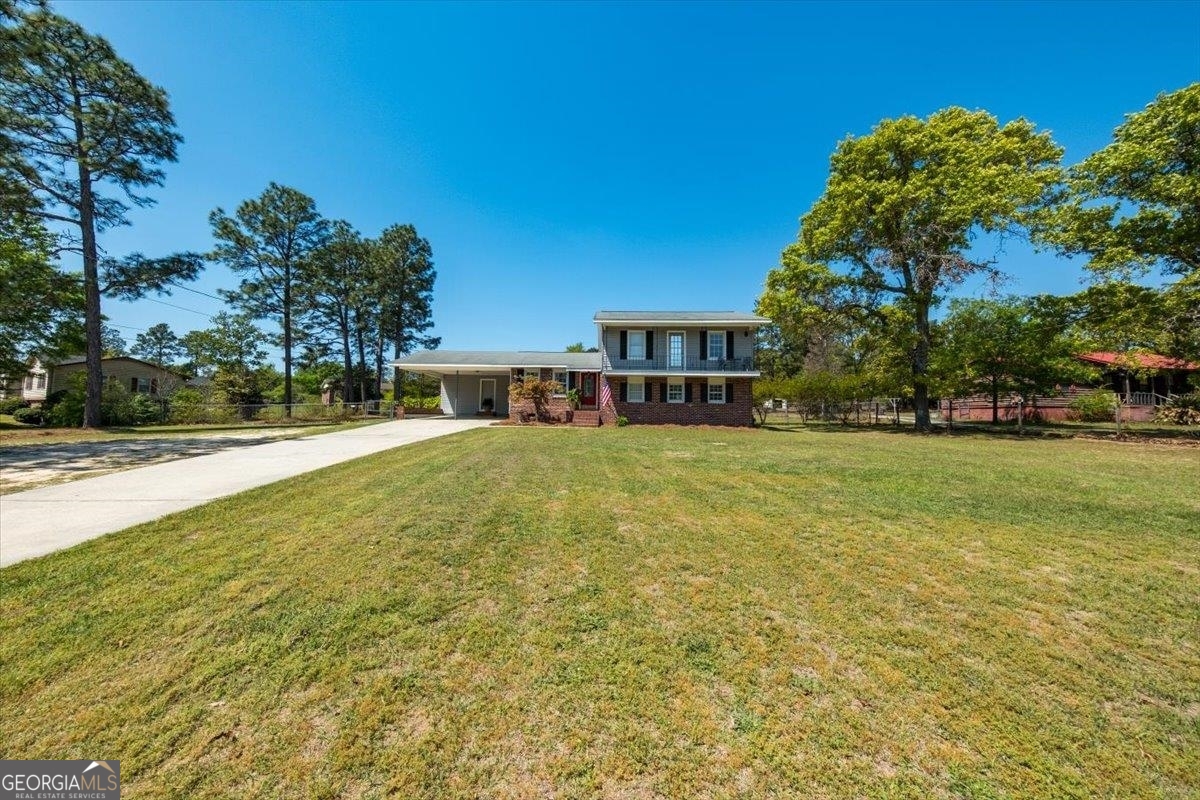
91, 278
995, 401
362, 364
920, 364
287, 343
379, 367
347, 364
91, 286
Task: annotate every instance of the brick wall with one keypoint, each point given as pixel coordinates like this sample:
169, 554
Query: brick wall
656, 411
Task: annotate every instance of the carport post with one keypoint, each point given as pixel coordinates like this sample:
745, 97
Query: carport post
456, 394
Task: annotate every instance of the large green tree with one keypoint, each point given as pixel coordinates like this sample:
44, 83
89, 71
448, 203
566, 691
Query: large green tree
904, 205
1003, 345
233, 342
42, 307
1135, 202
159, 345
85, 133
269, 241
403, 279
337, 287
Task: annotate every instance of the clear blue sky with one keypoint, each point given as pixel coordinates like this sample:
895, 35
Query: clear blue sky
563, 158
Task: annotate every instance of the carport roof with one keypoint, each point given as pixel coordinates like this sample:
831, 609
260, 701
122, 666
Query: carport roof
499, 359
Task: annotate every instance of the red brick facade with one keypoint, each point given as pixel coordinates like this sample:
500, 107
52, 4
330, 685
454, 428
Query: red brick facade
657, 411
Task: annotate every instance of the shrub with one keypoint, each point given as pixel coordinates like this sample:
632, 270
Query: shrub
536, 391
187, 407
622, 421
29, 416
1184, 409
11, 405
1097, 406
429, 403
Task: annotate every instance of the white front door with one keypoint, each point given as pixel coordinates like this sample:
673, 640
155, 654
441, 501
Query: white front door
675, 350
487, 394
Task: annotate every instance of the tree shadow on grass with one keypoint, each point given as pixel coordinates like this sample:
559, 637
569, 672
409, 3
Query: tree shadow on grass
1182, 434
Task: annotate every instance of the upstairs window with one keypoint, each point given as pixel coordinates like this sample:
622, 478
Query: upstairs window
716, 345
637, 345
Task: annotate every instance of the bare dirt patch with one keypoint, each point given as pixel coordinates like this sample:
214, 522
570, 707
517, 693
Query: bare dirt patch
29, 466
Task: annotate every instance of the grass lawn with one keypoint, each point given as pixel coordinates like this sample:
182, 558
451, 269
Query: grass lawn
635, 613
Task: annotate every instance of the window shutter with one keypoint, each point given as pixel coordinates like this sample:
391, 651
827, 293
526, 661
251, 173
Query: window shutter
133, 385
687, 392
704, 392
729, 345
649, 345
728, 391
624, 384
624, 345
662, 388
703, 344
154, 386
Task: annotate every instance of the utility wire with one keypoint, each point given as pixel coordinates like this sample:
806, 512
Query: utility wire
181, 308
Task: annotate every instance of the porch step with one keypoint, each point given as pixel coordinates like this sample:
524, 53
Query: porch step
586, 419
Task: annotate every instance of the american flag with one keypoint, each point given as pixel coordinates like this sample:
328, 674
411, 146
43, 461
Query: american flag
605, 393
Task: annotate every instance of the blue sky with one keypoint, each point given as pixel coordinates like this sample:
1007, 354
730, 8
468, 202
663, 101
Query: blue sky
563, 158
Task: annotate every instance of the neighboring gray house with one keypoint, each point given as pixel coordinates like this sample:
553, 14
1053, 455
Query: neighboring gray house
666, 367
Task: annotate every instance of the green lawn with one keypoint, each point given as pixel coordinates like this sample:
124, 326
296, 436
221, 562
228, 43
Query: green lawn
635, 613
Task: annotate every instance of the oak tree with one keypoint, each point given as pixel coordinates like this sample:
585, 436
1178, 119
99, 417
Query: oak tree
904, 204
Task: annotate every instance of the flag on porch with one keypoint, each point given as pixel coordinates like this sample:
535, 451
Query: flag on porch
605, 392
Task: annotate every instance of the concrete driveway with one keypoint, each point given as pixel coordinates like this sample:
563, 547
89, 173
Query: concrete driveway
41, 521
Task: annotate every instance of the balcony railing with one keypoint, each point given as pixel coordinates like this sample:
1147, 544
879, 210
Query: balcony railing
667, 365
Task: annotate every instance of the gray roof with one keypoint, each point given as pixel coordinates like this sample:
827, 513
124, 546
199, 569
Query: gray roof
694, 317
475, 359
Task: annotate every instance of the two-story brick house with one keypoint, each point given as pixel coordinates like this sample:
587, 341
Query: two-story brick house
660, 367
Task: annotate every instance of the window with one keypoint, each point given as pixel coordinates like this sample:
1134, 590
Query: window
139, 385
675, 390
40, 380
560, 376
637, 345
637, 390
716, 390
716, 345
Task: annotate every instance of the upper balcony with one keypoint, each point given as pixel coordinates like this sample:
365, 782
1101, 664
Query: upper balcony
678, 366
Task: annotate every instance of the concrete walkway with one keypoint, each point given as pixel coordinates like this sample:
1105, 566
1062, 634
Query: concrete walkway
41, 521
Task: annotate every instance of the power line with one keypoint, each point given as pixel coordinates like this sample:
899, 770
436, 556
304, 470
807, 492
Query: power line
181, 308
197, 291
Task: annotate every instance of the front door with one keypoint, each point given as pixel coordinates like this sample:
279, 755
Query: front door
487, 395
587, 388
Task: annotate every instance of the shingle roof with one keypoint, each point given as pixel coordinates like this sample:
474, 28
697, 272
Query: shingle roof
695, 317
501, 359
